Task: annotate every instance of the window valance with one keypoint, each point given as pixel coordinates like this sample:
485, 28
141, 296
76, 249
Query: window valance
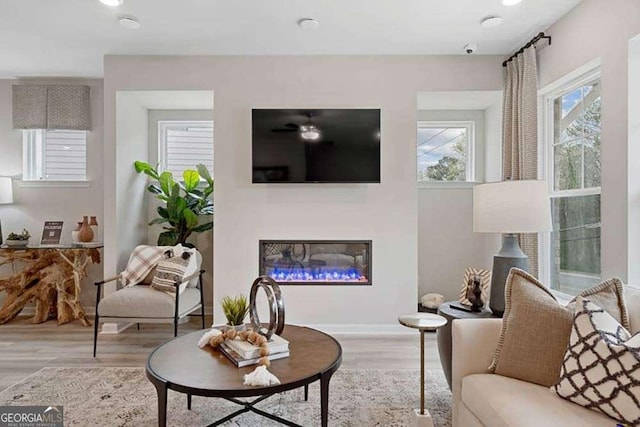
51, 107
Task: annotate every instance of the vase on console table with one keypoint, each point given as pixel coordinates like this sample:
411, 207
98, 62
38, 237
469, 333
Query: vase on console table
93, 223
75, 233
85, 235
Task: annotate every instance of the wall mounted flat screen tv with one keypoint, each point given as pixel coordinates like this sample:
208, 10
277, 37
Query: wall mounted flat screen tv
316, 146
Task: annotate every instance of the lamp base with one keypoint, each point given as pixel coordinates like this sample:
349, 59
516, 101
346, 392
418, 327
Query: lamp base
510, 256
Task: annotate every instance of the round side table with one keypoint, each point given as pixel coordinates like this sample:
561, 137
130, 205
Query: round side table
449, 311
424, 322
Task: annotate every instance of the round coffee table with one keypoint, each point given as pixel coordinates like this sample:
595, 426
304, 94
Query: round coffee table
424, 322
180, 365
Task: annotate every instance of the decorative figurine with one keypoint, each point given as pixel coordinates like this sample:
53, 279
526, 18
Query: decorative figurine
475, 294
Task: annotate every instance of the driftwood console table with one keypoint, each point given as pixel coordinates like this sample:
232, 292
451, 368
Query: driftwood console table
50, 277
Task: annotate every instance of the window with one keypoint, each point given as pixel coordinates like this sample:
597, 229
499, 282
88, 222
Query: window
573, 137
185, 144
54, 155
445, 152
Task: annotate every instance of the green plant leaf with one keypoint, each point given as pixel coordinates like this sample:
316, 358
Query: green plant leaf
167, 238
162, 211
167, 183
145, 168
175, 191
190, 218
204, 173
158, 221
141, 166
191, 179
203, 227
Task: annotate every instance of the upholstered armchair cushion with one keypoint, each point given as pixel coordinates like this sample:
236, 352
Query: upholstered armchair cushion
142, 301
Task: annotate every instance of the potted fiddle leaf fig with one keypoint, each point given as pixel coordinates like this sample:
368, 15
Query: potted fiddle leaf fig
185, 204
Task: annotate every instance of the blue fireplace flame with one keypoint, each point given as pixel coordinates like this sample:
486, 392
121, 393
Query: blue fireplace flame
316, 275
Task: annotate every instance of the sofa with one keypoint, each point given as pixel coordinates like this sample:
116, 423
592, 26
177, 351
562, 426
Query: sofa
483, 399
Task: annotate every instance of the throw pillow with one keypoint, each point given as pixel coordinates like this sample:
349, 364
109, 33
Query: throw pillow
536, 328
535, 332
601, 368
608, 295
169, 271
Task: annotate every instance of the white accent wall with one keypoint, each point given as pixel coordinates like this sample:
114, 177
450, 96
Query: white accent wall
387, 212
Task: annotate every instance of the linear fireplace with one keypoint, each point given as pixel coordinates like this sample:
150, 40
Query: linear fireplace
316, 262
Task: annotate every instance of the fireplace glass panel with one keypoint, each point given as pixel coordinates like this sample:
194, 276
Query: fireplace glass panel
316, 262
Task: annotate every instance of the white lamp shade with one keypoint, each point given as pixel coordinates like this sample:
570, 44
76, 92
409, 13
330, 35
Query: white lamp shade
6, 190
511, 207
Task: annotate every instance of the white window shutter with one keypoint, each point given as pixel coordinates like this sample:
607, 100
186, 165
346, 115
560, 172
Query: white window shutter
187, 144
65, 155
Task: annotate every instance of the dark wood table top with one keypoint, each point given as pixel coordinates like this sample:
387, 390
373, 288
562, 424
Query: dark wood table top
184, 367
446, 310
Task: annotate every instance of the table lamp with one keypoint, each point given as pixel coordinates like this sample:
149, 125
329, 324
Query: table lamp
6, 195
510, 207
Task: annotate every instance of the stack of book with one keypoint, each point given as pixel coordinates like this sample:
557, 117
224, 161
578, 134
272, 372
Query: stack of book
243, 353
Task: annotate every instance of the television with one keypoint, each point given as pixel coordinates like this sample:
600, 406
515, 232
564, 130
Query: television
316, 145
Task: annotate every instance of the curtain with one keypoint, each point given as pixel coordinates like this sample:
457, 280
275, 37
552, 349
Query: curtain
520, 132
51, 107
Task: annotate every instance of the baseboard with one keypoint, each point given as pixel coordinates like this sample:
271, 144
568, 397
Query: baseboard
109, 328
337, 329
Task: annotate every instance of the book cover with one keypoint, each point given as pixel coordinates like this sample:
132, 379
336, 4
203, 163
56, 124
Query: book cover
51, 233
240, 362
246, 350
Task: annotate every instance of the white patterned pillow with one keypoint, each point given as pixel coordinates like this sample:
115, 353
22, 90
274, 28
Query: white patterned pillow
172, 270
601, 368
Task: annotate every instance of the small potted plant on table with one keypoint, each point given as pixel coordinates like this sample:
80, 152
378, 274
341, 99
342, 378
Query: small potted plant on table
18, 240
235, 310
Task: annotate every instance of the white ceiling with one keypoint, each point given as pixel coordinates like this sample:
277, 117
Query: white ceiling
70, 37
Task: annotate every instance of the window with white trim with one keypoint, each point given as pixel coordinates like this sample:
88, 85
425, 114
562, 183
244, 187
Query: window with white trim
54, 155
445, 151
572, 132
185, 144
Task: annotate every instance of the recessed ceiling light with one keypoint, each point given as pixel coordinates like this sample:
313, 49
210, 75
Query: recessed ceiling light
510, 2
309, 24
129, 22
491, 21
112, 3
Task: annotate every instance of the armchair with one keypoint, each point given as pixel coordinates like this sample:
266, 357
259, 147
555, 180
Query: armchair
143, 304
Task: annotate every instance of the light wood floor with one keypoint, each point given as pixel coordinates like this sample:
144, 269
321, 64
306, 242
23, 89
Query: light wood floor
25, 348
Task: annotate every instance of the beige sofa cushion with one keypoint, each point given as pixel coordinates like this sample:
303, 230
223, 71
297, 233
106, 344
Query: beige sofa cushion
143, 301
500, 401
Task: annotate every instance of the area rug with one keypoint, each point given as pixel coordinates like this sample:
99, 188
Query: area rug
124, 397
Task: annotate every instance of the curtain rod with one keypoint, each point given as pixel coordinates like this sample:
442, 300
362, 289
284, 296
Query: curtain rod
532, 42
